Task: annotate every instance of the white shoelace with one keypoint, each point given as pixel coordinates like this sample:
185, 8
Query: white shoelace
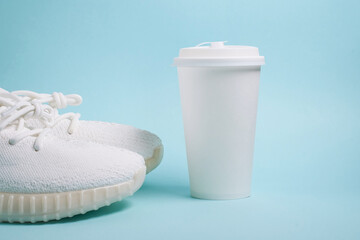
16, 108
56, 100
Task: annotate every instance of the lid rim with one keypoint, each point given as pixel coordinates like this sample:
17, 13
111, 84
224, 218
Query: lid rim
221, 62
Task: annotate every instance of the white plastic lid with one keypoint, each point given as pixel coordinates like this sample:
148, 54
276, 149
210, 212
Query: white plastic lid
216, 54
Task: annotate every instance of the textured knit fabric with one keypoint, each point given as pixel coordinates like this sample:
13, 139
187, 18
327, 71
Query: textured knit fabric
117, 135
62, 165
113, 134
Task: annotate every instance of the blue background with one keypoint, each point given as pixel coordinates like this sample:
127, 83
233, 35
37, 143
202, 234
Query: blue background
118, 56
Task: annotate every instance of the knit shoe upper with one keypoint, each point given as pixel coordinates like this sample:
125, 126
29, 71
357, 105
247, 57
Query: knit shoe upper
62, 166
32, 160
117, 135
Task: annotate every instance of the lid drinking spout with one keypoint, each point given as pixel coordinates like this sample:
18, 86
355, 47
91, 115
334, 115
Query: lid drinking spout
217, 44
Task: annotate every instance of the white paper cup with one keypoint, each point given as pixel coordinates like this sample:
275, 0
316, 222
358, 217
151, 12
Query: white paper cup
219, 93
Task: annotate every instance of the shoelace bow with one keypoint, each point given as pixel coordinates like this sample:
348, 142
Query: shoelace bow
16, 110
56, 100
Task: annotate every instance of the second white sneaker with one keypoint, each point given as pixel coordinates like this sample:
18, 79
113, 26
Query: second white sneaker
69, 127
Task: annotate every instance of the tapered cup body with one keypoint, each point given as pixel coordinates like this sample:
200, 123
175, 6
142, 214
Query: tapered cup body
219, 106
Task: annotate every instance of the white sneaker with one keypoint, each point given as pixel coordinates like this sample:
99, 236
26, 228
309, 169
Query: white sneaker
70, 127
43, 177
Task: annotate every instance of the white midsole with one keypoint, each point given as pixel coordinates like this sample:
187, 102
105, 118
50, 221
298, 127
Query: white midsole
155, 160
17, 207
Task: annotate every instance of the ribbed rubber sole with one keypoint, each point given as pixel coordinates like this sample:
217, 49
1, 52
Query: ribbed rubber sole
155, 160
33, 208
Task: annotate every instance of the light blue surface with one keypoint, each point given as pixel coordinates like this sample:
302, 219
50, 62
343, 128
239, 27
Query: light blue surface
118, 56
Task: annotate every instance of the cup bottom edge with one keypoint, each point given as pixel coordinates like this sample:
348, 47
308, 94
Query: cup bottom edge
212, 196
